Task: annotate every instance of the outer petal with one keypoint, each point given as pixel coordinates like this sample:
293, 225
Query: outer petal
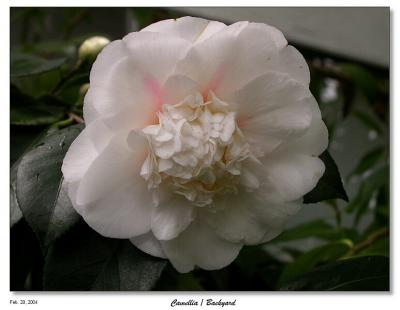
85, 148
171, 217
238, 54
272, 109
199, 246
192, 29
314, 141
249, 218
149, 244
291, 62
124, 209
293, 175
123, 213
131, 73
156, 54
116, 165
109, 55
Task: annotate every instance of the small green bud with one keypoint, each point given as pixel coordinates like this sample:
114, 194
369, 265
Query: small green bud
83, 90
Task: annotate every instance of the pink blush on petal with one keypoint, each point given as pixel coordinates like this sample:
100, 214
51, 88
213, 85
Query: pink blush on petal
215, 81
155, 90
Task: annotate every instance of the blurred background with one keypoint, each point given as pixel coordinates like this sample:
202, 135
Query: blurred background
348, 52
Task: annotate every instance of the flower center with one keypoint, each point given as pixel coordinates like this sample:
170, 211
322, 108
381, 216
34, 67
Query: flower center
195, 151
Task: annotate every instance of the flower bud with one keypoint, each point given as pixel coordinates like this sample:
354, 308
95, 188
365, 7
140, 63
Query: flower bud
91, 47
83, 90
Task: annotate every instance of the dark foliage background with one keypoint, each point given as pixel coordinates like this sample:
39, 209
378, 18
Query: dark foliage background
346, 248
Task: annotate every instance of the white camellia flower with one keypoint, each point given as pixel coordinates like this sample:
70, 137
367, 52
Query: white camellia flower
200, 138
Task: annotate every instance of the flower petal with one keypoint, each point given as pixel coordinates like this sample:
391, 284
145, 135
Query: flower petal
199, 246
192, 29
148, 244
123, 213
291, 62
171, 217
177, 88
238, 54
155, 54
84, 149
272, 109
314, 141
111, 53
249, 218
293, 175
130, 73
116, 165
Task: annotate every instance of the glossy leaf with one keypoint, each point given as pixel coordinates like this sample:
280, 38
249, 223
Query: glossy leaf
330, 186
85, 260
15, 211
369, 160
379, 247
25, 110
317, 228
370, 273
27, 64
362, 78
367, 189
39, 189
310, 259
369, 121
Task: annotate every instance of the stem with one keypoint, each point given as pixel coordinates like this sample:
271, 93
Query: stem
65, 79
338, 216
76, 118
72, 118
384, 231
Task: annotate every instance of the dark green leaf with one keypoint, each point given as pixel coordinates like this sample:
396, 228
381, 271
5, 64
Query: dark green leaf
318, 228
368, 120
26, 260
362, 78
85, 260
39, 186
309, 260
370, 273
367, 190
53, 49
26, 110
15, 211
380, 247
369, 160
330, 186
27, 64
172, 280
21, 138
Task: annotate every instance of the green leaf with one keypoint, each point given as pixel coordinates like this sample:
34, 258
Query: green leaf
85, 260
21, 138
172, 280
25, 259
15, 211
380, 247
27, 64
362, 78
367, 190
368, 120
330, 186
39, 186
310, 259
369, 160
25, 110
46, 49
369, 273
317, 228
